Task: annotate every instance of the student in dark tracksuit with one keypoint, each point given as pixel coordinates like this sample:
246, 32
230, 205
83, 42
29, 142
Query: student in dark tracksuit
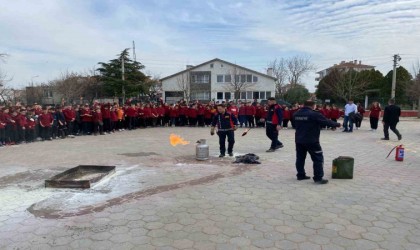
390, 119
226, 125
308, 126
274, 119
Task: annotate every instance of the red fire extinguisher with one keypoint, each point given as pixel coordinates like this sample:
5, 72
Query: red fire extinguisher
399, 153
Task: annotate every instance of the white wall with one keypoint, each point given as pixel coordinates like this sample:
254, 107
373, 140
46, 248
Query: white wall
264, 83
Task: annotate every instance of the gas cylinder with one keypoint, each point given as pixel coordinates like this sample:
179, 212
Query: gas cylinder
202, 150
399, 153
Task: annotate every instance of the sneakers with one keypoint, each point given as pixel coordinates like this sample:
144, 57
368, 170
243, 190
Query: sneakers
221, 155
303, 178
270, 150
385, 139
399, 137
279, 146
323, 181
230, 154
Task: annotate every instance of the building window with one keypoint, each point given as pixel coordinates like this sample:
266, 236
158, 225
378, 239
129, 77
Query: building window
219, 78
227, 95
221, 65
228, 78
243, 78
236, 78
48, 93
249, 95
255, 79
268, 94
211, 65
219, 95
243, 95
200, 96
248, 78
262, 95
200, 78
256, 95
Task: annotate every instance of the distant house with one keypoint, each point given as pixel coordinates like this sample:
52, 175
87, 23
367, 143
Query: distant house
218, 80
45, 95
346, 66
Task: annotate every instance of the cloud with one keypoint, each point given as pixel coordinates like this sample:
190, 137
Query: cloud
47, 37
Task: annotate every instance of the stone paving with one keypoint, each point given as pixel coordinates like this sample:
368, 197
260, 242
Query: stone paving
161, 198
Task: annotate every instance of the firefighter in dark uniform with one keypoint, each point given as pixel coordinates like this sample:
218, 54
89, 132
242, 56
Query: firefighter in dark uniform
226, 125
273, 124
308, 126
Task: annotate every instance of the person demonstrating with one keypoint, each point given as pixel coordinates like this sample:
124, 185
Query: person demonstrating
350, 111
226, 124
308, 127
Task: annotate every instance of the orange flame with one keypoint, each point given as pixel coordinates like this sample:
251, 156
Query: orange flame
175, 140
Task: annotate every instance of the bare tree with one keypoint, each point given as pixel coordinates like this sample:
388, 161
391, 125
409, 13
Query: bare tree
297, 67
280, 71
5, 92
345, 85
183, 84
239, 82
414, 88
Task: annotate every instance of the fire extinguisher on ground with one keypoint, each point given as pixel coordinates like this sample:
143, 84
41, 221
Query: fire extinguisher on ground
399, 153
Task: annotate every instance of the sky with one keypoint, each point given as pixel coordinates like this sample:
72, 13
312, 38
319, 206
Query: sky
45, 38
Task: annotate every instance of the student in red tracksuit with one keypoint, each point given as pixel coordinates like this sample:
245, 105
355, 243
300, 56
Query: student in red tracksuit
2, 129
98, 123
161, 115
375, 113
106, 116
167, 118
286, 117
242, 115
173, 115
208, 115
335, 113
21, 126
182, 114
30, 127
148, 115
141, 119
192, 115
70, 117
200, 115
86, 117
154, 115
250, 114
131, 114
46, 121
259, 112
114, 118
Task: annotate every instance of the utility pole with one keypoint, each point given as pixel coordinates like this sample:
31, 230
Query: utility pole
397, 58
134, 52
123, 79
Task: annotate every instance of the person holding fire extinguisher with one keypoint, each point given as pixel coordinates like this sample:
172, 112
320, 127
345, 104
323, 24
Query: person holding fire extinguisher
226, 125
390, 119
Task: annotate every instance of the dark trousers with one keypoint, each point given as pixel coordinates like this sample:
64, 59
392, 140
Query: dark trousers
70, 128
30, 135
107, 124
222, 141
207, 121
131, 122
45, 133
242, 120
393, 127
98, 127
87, 127
2, 135
358, 123
11, 133
285, 123
272, 133
315, 151
374, 122
192, 121
348, 123
251, 120
120, 124
200, 119
21, 134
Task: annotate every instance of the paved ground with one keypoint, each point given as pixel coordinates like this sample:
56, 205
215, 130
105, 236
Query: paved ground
161, 198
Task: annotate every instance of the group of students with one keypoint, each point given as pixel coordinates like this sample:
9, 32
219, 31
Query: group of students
21, 124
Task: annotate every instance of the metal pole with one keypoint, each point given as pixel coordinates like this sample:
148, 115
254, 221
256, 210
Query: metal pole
394, 75
123, 79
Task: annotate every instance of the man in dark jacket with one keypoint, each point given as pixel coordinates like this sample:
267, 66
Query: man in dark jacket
226, 124
274, 120
390, 119
308, 126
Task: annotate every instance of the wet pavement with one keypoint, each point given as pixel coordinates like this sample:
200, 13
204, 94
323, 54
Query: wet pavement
162, 198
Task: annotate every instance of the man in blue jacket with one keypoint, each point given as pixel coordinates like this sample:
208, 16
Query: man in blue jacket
308, 126
226, 125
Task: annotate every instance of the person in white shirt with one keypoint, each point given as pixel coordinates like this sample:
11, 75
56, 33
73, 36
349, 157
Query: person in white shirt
349, 111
